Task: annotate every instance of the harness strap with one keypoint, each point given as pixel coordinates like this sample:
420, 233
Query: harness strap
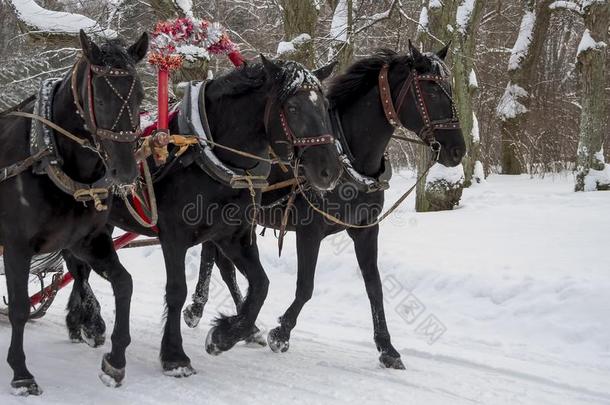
20, 167
81, 141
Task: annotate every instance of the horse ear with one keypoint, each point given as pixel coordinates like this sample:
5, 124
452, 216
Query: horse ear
138, 50
271, 68
91, 51
325, 71
415, 53
442, 54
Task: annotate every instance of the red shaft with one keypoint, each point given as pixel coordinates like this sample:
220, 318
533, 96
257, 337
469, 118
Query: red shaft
119, 243
162, 99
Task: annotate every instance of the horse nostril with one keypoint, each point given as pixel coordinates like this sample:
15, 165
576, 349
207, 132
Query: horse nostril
457, 154
114, 173
324, 174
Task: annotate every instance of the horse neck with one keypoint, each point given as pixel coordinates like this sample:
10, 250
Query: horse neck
367, 132
237, 122
80, 164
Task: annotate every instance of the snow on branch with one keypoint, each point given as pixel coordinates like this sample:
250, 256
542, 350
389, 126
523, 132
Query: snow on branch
375, 18
285, 48
41, 20
524, 41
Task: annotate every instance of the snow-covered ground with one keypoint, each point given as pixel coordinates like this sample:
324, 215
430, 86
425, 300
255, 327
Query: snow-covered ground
514, 287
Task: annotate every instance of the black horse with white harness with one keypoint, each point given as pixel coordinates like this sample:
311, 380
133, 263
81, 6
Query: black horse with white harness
78, 138
374, 96
211, 192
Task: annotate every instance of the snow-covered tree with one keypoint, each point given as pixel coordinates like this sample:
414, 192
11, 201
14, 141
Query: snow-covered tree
593, 173
513, 107
453, 21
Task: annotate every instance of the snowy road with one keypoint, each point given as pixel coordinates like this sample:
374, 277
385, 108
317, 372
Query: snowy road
503, 301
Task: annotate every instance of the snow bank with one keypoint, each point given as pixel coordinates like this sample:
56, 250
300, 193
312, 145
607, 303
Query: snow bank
509, 106
452, 175
596, 178
479, 173
40, 19
524, 40
516, 276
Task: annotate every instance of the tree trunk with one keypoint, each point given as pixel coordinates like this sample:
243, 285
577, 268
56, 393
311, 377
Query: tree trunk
465, 84
301, 17
592, 172
441, 24
514, 105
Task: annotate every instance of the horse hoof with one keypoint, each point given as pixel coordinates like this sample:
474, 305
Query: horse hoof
192, 316
388, 361
256, 339
75, 336
210, 343
91, 338
23, 388
111, 377
278, 341
178, 369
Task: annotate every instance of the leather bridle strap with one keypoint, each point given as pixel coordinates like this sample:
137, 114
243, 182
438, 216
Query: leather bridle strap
296, 142
426, 134
105, 72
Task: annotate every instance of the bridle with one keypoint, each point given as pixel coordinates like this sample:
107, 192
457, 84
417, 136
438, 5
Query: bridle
295, 142
98, 133
412, 85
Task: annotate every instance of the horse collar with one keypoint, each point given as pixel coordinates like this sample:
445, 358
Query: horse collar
363, 182
42, 138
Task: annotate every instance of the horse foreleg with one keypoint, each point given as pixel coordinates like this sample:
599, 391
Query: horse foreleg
308, 247
231, 329
227, 272
84, 319
99, 252
365, 244
193, 312
17, 269
174, 360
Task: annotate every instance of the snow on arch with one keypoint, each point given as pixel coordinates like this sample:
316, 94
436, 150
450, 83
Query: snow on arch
56, 22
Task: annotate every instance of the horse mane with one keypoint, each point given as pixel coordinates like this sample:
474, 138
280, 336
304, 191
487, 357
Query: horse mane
291, 76
363, 75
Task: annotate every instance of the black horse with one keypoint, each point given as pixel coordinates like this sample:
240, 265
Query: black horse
277, 104
60, 203
421, 100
